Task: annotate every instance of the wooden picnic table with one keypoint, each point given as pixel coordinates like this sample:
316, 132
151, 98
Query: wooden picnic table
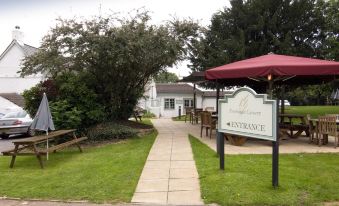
29, 146
291, 127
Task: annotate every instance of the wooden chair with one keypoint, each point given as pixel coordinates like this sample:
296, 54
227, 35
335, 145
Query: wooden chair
188, 113
196, 115
207, 122
311, 129
328, 127
334, 115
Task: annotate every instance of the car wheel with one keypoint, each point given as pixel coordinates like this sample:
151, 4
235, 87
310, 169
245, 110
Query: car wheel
31, 132
4, 136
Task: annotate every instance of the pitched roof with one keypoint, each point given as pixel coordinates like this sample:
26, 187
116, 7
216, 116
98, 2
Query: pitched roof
27, 49
214, 93
15, 98
175, 88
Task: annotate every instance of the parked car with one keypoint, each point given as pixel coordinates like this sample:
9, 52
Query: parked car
17, 122
286, 103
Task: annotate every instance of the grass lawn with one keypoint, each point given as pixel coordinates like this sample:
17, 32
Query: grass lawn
108, 173
315, 111
146, 121
305, 179
182, 118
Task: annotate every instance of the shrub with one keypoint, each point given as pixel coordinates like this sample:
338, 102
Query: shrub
148, 114
65, 116
109, 131
33, 96
73, 89
73, 103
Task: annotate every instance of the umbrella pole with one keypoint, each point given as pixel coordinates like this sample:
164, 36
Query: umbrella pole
47, 144
282, 99
217, 97
194, 98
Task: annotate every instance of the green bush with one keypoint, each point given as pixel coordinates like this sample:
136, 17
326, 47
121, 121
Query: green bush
148, 114
64, 115
72, 88
73, 103
33, 96
109, 131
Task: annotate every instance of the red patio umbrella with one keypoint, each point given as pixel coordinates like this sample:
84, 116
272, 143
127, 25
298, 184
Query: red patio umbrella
258, 72
282, 66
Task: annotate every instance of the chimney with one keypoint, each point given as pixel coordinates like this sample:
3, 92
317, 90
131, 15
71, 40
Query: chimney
18, 35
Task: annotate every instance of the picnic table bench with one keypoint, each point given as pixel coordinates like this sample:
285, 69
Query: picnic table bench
290, 127
28, 146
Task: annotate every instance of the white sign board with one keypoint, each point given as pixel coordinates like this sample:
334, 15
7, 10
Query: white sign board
246, 113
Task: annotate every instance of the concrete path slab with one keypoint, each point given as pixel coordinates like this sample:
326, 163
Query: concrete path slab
169, 175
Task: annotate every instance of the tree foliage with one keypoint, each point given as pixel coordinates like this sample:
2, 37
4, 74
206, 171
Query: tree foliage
250, 28
73, 104
112, 57
257, 27
331, 46
166, 77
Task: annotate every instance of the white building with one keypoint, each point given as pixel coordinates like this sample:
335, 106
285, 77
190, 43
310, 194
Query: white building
11, 63
168, 99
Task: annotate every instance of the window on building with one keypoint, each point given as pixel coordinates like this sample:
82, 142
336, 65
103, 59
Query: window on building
188, 103
169, 103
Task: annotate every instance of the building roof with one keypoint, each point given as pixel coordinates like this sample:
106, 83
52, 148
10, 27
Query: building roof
175, 88
15, 98
27, 49
214, 93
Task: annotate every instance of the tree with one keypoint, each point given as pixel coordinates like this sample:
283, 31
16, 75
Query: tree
331, 46
116, 57
166, 77
251, 28
257, 27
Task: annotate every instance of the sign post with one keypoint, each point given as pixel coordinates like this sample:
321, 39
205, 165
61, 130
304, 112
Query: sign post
246, 113
220, 149
275, 164
275, 157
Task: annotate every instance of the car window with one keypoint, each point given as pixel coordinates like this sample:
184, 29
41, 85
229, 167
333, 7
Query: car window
20, 114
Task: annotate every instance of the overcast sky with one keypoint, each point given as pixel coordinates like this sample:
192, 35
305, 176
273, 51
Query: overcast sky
35, 17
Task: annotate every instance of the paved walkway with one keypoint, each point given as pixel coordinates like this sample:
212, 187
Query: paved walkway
170, 175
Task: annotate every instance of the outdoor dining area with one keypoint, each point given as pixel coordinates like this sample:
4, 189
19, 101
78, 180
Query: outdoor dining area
264, 74
291, 126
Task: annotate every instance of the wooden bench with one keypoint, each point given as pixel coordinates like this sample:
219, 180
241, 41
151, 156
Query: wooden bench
289, 127
54, 148
28, 146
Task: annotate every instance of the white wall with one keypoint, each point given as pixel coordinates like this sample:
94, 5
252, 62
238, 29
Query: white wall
179, 102
209, 102
11, 62
17, 85
10, 80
